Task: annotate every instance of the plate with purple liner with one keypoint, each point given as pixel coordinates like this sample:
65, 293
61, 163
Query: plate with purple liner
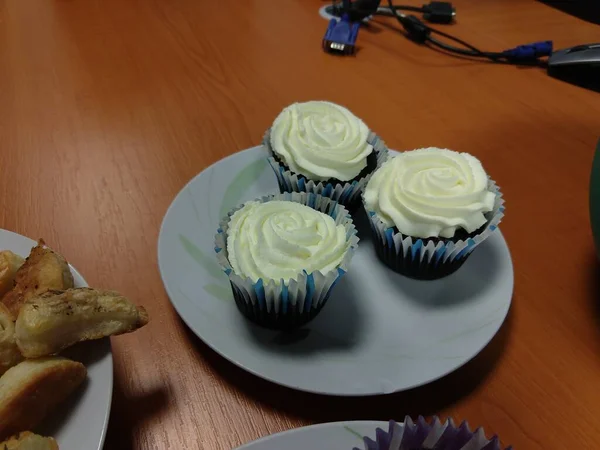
367, 435
379, 333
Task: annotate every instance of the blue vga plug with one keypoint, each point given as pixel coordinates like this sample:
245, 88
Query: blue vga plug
340, 36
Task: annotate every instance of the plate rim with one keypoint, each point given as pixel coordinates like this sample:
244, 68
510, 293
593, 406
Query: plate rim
241, 365
341, 423
110, 359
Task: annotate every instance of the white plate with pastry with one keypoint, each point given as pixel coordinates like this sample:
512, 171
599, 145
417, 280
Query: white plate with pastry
72, 383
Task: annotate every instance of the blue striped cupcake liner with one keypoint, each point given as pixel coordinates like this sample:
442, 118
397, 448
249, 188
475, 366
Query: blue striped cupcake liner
425, 258
436, 435
287, 304
347, 194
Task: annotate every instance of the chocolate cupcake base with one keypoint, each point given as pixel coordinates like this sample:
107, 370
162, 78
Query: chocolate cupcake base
285, 305
431, 258
294, 317
415, 267
347, 193
371, 166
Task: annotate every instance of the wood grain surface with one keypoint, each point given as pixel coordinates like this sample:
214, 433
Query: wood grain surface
108, 107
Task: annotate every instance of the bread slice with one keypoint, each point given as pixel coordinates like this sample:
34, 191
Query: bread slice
56, 320
32, 388
28, 441
44, 269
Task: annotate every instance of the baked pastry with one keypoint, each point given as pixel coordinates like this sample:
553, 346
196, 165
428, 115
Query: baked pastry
9, 352
44, 269
27, 440
283, 254
323, 148
9, 264
55, 320
32, 388
429, 209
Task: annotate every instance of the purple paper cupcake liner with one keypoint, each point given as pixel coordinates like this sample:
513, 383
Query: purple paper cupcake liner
430, 259
290, 304
345, 193
435, 436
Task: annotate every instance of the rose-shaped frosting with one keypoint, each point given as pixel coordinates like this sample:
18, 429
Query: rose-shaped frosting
279, 239
321, 140
430, 192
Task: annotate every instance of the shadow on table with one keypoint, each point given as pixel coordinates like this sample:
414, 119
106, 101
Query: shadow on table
594, 288
339, 325
584, 10
130, 411
426, 400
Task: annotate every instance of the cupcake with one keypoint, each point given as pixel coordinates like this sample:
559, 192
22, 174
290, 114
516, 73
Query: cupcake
323, 148
437, 435
283, 255
429, 209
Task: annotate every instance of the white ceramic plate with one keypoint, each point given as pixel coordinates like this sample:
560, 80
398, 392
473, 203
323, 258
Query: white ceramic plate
81, 422
330, 436
379, 333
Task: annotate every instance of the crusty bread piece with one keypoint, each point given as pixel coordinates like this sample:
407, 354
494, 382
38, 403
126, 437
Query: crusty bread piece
56, 320
9, 352
28, 441
32, 388
43, 270
9, 264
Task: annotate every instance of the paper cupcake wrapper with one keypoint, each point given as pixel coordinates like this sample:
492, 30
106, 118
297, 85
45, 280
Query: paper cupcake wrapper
289, 304
427, 258
437, 436
348, 194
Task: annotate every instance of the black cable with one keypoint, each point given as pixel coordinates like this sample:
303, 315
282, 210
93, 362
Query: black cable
439, 12
470, 51
408, 8
459, 41
358, 11
450, 48
435, 11
422, 33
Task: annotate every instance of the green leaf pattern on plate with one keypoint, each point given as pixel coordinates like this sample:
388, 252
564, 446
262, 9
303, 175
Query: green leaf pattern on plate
353, 431
233, 194
218, 291
242, 181
203, 260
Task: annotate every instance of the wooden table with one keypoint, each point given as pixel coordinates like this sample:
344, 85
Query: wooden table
107, 108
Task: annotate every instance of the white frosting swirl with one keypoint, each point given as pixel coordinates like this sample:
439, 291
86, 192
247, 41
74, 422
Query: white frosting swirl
430, 192
280, 239
321, 140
